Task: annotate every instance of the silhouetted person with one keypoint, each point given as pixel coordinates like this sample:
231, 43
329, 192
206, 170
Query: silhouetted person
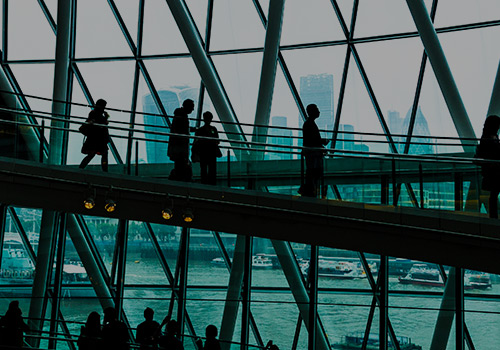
97, 137
12, 327
147, 331
489, 148
311, 138
178, 146
211, 342
169, 340
207, 150
114, 332
271, 346
91, 333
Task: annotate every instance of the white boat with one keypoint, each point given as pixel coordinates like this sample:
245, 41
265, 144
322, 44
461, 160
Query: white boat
423, 274
261, 262
355, 341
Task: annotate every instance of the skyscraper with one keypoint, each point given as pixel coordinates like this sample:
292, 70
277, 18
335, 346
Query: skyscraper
398, 125
318, 89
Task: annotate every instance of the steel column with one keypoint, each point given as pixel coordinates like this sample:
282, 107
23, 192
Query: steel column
295, 281
446, 313
233, 293
442, 71
383, 284
122, 243
313, 296
3, 221
268, 73
246, 293
183, 272
61, 79
44, 263
58, 275
207, 71
459, 309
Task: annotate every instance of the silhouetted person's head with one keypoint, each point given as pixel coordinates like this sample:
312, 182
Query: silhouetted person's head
110, 314
208, 117
100, 104
94, 320
148, 314
211, 331
188, 105
14, 308
172, 327
179, 112
312, 111
491, 125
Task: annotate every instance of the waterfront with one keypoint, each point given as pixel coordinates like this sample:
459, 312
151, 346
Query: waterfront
275, 312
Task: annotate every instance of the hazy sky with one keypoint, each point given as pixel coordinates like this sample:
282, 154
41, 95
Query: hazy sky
391, 66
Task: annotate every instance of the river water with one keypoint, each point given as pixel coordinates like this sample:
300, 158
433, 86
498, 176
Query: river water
341, 311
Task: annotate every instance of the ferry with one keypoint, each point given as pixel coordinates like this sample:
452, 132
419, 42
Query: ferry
259, 261
355, 341
423, 274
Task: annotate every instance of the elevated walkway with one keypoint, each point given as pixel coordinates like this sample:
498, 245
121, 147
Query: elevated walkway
461, 239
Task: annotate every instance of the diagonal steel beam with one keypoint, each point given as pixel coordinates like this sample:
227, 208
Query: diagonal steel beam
442, 72
207, 71
268, 73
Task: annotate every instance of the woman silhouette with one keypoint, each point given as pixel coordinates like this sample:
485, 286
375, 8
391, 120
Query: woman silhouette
97, 137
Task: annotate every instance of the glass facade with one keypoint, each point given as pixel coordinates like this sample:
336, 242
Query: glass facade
362, 63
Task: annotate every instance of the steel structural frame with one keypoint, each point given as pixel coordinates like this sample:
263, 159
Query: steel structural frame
5, 1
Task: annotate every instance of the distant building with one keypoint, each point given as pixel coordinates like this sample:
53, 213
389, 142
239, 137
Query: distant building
279, 137
156, 152
398, 125
318, 89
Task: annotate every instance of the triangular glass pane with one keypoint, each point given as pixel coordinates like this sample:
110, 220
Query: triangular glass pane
198, 10
346, 10
79, 114
155, 149
169, 238
455, 12
112, 81
315, 22
36, 80
143, 266
236, 25
97, 28
358, 115
130, 15
242, 86
206, 263
161, 34
103, 231
30, 220
17, 266
383, 17
474, 72
318, 82
33, 41
392, 67
437, 115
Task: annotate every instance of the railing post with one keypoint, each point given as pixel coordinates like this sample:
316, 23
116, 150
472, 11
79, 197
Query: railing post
301, 170
136, 158
228, 168
459, 309
459, 191
421, 183
394, 185
42, 132
384, 190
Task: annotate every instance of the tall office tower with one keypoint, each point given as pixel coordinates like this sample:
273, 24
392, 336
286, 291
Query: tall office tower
156, 152
279, 137
318, 89
421, 128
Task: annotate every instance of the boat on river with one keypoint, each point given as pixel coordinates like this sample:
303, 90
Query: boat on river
355, 341
423, 274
